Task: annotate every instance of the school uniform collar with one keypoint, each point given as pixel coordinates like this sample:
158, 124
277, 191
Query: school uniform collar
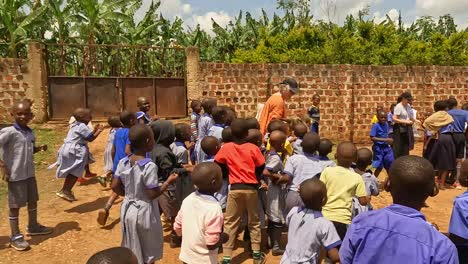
406, 211
323, 158
272, 152
23, 129
209, 157
196, 114
310, 156
180, 144
141, 162
206, 114
220, 125
206, 196
317, 214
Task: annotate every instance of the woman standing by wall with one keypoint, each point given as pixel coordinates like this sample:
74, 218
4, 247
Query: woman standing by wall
403, 121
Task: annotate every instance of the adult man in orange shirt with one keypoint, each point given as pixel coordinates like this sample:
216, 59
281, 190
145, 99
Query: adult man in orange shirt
275, 106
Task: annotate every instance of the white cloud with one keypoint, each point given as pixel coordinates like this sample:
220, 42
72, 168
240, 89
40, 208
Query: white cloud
393, 14
222, 18
439, 7
337, 10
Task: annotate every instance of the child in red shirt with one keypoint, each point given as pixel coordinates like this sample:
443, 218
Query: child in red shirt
243, 163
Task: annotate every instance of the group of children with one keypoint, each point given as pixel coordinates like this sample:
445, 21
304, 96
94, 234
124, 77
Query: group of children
219, 175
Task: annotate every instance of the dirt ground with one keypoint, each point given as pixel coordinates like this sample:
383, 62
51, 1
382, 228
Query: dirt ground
77, 235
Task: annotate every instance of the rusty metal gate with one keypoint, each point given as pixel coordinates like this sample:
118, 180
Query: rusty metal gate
110, 78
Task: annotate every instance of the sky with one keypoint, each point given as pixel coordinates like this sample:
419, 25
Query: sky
195, 12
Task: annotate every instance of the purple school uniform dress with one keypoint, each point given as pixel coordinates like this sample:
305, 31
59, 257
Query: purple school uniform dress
382, 152
459, 224
140, 115
395, 234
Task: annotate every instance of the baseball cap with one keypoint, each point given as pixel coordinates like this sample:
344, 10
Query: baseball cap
293, 86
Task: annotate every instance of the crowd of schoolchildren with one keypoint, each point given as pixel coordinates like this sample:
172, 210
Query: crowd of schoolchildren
219, 176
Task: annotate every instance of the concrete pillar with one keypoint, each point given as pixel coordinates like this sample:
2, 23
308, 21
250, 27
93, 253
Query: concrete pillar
36, 77
194, 90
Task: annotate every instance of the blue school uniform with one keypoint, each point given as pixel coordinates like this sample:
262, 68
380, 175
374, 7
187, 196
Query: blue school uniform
372, 188
180, 151
459, 225
325, 162
395, 234
276, 195
140, 115
390, 123
297, 146
217, 131
74, 154
121, 140
204, 124
382, 152
141, 222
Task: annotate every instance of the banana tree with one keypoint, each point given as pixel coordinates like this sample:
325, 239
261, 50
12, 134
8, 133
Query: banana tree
60, 13
17, 18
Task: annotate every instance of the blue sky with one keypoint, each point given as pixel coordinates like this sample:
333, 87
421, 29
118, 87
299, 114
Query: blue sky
201, 11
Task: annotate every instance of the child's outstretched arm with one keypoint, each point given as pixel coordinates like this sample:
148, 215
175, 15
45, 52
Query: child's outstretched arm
155, 192
386, 140
97, 130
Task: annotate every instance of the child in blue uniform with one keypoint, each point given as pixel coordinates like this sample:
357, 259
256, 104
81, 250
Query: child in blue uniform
182, 135
204, 124
144, 106
219, 115
364, 160
458, 228
114, 123
314, 113
136, 178
383, 153
18, 145
74, 154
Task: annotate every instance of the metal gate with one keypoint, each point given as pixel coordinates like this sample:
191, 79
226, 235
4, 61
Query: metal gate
110, 78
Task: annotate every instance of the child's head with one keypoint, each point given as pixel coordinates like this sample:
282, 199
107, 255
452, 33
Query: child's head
316, 99
143, 104
21, 112
325, 147
114, 121
278, 125
219, 115
231, 115
255, 137
164, 132
300, 129
115, 255
208, 104
465, 107
82, 115
313, 193
392, 107
210, 145
411, 181
196, 106
141, 138
127, 118
239, 130
379, 109
227, 135
346, 154
382, 117
440, 105
364, 158
252, 123
452, 103
207, 176
182, 132
277, 140
310, 143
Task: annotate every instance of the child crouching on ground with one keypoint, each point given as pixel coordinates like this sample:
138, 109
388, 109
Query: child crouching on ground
364, 160
74, 154
200, 219
243, 162
18, 145
136, 178
308, 230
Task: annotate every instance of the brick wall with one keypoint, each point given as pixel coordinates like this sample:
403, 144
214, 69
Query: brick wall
12, 85
349, 93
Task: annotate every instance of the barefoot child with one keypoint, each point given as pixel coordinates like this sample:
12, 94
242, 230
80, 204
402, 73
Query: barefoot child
114, 123
74, 154
342, 185
325, 148
364, 160
200, 219
276, 195
144, 106
18, 145
120, 149
383, 153
400, 233
136, 178
308, 230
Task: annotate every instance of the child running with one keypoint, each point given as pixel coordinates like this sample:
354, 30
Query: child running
17, 143
400, 233
383, 153
308, 230
301, 167
136, 178
144, 106
200, 219
243, 162
364, 160
300, 129
325, 148
276, 195
114, 123
74, 153
342, 185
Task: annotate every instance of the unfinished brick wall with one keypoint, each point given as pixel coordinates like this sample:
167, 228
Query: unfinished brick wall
349, 93
12, 85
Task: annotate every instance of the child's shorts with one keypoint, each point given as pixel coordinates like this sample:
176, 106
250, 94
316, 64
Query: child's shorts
20, 193
382, 157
